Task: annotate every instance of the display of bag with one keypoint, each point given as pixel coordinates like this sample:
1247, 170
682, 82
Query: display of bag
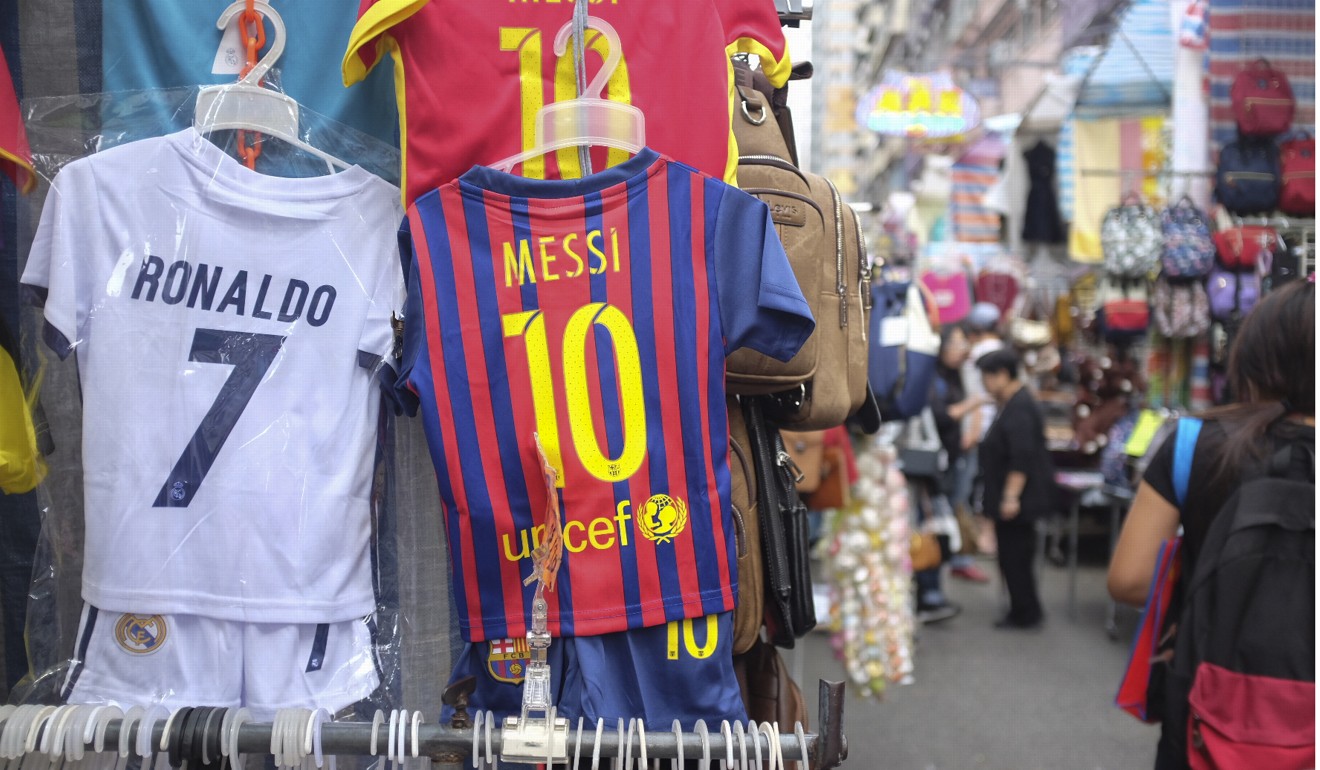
1189, 249
925, 552
904, 348
749, 610
1232, 294
825, 382
834, 491
920, 453
1248, 179
999, 288
1241, 248
1297, 195
1181, 308
952, 293
1132, 239
838, 388
1263, 101
807, 451
766, 171
1124, 309
790, 610
768, 691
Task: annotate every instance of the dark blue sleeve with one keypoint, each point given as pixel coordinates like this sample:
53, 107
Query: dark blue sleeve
761, 305
414, 325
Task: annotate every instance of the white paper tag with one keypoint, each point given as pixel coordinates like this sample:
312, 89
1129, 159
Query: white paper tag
893, 332
230, 57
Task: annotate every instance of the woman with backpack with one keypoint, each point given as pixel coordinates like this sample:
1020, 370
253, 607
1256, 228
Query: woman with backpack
1272, 373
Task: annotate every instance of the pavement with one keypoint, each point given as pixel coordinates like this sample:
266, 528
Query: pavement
999, 700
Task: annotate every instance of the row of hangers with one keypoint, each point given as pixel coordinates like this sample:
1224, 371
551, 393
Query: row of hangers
588, 120
106, 737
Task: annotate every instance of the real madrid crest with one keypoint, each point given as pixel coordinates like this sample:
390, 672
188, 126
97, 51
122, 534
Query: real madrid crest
140, 634
662, 518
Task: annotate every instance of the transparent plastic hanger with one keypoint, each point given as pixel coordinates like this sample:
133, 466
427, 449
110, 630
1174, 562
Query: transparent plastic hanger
589, 119
247, 105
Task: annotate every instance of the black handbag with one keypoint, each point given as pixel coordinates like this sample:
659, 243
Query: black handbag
920, 453
790, 605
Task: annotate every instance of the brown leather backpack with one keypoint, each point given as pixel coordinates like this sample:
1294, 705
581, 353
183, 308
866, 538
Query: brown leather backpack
825, 382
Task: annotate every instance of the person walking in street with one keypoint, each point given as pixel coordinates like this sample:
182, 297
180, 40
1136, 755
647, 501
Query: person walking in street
1018, 475
949, 404
1272, 373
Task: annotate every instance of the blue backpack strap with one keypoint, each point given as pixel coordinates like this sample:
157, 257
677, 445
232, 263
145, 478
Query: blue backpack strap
1184, 448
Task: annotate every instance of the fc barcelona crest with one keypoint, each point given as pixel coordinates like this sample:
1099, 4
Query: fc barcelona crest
507, 660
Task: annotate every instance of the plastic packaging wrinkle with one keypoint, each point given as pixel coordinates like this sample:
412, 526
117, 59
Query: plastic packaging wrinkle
235, 515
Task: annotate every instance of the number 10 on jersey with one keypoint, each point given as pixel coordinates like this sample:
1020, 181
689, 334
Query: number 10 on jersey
530, 326
527, 43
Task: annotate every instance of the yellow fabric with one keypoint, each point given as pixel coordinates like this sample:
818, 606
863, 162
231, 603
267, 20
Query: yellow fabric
1100, 147
21, 466
372, 26
1097, 148
777, 70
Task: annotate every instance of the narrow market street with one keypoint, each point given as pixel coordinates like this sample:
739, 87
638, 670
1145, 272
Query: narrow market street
999, 700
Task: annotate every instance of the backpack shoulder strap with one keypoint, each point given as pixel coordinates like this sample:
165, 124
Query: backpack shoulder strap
1184, 449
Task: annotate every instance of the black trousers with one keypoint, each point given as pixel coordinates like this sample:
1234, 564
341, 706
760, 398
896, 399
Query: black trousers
1017, 554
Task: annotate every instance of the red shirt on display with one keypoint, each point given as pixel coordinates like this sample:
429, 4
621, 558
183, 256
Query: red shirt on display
470, 77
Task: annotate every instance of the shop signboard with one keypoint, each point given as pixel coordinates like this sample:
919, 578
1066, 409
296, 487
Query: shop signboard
918, 106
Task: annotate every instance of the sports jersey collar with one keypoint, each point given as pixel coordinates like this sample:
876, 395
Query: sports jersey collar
227, 172
486, 178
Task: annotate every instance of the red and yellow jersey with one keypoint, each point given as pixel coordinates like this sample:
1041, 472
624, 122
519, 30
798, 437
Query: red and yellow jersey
470, 76
15, 158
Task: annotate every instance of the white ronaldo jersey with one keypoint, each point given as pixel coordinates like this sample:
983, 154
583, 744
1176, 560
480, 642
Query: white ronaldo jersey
226, 325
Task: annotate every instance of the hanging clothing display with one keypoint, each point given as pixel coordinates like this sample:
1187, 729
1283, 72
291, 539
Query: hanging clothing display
632, 252
15, 157
155, 44
673, 66
152, 300
1041, 223
973, 175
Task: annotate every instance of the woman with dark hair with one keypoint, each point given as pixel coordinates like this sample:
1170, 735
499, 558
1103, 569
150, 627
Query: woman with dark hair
1018, 475
1272, 372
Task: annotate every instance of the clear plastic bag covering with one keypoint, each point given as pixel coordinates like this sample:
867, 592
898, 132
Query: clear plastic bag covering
233, 514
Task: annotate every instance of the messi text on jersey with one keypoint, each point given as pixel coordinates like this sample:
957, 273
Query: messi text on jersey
586, 253
199, 285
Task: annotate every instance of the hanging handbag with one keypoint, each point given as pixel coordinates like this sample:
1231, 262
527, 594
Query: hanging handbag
1240, 248
1189, 250
1249, 175
790, 606
749, 606
925, 552
807, 450
1263, 101
768, 692
920, 453
833, 492
1232, 294
1297, 197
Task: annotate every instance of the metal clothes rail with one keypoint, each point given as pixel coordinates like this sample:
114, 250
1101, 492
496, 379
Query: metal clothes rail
188, 739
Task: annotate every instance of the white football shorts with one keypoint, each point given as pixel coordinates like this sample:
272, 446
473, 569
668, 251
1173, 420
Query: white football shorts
190, 660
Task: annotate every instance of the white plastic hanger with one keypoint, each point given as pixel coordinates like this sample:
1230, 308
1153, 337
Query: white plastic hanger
589, 119
247, 105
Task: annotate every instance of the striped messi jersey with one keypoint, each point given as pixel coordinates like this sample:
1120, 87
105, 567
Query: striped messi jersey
674, 68
594, 315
